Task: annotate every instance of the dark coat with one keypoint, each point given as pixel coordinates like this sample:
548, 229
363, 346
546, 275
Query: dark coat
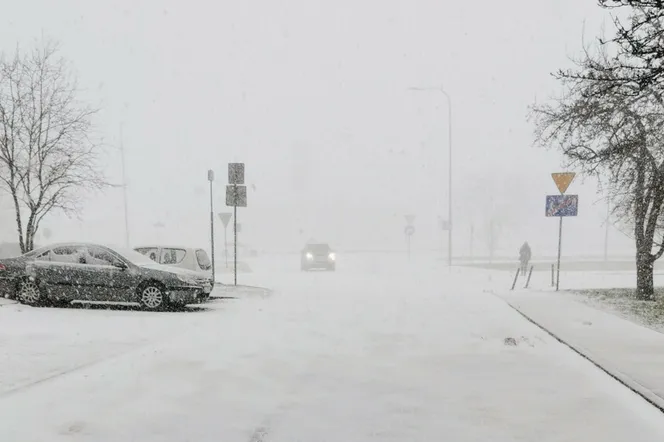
524, 252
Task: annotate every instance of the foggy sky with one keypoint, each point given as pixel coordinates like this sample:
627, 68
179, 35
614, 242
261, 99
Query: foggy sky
313, 96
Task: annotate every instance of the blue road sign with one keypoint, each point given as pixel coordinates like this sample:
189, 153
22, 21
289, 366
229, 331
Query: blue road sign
562, 205
409, 230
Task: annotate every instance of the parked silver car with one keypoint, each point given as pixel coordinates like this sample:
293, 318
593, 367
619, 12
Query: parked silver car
192, 259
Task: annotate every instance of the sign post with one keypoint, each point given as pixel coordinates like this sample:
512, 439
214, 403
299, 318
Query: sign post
236, 196
225, 219
409, 231
561, 206
211, 179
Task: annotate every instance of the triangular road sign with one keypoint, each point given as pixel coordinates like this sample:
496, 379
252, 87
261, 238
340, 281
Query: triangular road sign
563, 180
410, 219
225, 218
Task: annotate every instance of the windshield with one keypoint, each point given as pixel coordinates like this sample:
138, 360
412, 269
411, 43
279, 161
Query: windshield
35, 252
318, 248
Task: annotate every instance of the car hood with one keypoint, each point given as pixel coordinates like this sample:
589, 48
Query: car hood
174, 270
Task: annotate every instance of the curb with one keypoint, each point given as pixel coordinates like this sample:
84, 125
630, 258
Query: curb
642, 391
231, 289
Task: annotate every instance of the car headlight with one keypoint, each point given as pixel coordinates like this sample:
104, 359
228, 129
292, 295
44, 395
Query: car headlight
310, 256
188, 280
332, 257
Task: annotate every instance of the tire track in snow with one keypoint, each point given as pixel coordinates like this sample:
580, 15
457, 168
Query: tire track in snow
34, 383
625, 381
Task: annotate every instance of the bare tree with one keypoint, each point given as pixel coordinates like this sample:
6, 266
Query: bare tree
47, 157
614, 130
639, 60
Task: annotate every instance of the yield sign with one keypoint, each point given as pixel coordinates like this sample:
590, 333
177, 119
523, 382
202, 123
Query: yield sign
410, 219
225, 218
563, 180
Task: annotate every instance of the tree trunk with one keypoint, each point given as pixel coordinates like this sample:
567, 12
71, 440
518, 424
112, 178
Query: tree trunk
30, 230
645, 285
19, 224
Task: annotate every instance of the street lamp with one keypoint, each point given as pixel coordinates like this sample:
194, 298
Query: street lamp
211, 179
449, 198
124, 187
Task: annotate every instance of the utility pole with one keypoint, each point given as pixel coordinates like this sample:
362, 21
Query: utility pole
124, 187
449, 185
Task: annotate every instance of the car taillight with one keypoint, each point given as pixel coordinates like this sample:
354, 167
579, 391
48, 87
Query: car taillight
2, 267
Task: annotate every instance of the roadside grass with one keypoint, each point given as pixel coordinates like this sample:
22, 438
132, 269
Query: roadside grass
623, 302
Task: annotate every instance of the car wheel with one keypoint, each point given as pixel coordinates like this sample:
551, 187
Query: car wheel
28, 292
152, 297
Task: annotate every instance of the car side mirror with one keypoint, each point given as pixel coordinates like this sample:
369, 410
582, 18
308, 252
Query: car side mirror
120, 265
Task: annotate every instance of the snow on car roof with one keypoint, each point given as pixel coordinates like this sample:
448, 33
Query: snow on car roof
163, 246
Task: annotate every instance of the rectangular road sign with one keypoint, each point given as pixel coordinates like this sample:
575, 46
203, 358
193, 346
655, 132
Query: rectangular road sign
236, 196
235, 173
562, 205
563, 180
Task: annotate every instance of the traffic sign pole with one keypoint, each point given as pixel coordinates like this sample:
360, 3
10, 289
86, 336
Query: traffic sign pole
561, 206
225, 219
235, 244
236, 195
226, 245
560, 244
408, 245
409, 231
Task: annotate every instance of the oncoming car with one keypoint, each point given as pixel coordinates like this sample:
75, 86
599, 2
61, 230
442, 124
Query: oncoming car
95, 274
318, 257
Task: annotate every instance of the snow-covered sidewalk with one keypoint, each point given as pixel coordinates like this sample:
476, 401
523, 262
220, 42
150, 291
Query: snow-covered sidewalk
630, 352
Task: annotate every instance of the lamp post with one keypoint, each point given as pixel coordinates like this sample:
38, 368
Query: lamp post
449, 186
124, 187
211, 179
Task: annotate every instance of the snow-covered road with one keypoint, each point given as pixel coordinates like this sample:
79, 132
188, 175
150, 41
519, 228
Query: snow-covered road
382, 350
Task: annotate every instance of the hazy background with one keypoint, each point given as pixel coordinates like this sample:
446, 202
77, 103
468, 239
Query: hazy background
313, 96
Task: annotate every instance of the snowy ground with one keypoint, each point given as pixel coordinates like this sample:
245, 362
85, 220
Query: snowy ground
381, 350
630, 352
611, 291
623, 302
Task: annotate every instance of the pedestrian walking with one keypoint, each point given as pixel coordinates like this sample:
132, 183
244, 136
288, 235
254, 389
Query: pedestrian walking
524, 256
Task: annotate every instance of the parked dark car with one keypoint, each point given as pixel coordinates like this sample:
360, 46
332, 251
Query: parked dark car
318, 257
96, 274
